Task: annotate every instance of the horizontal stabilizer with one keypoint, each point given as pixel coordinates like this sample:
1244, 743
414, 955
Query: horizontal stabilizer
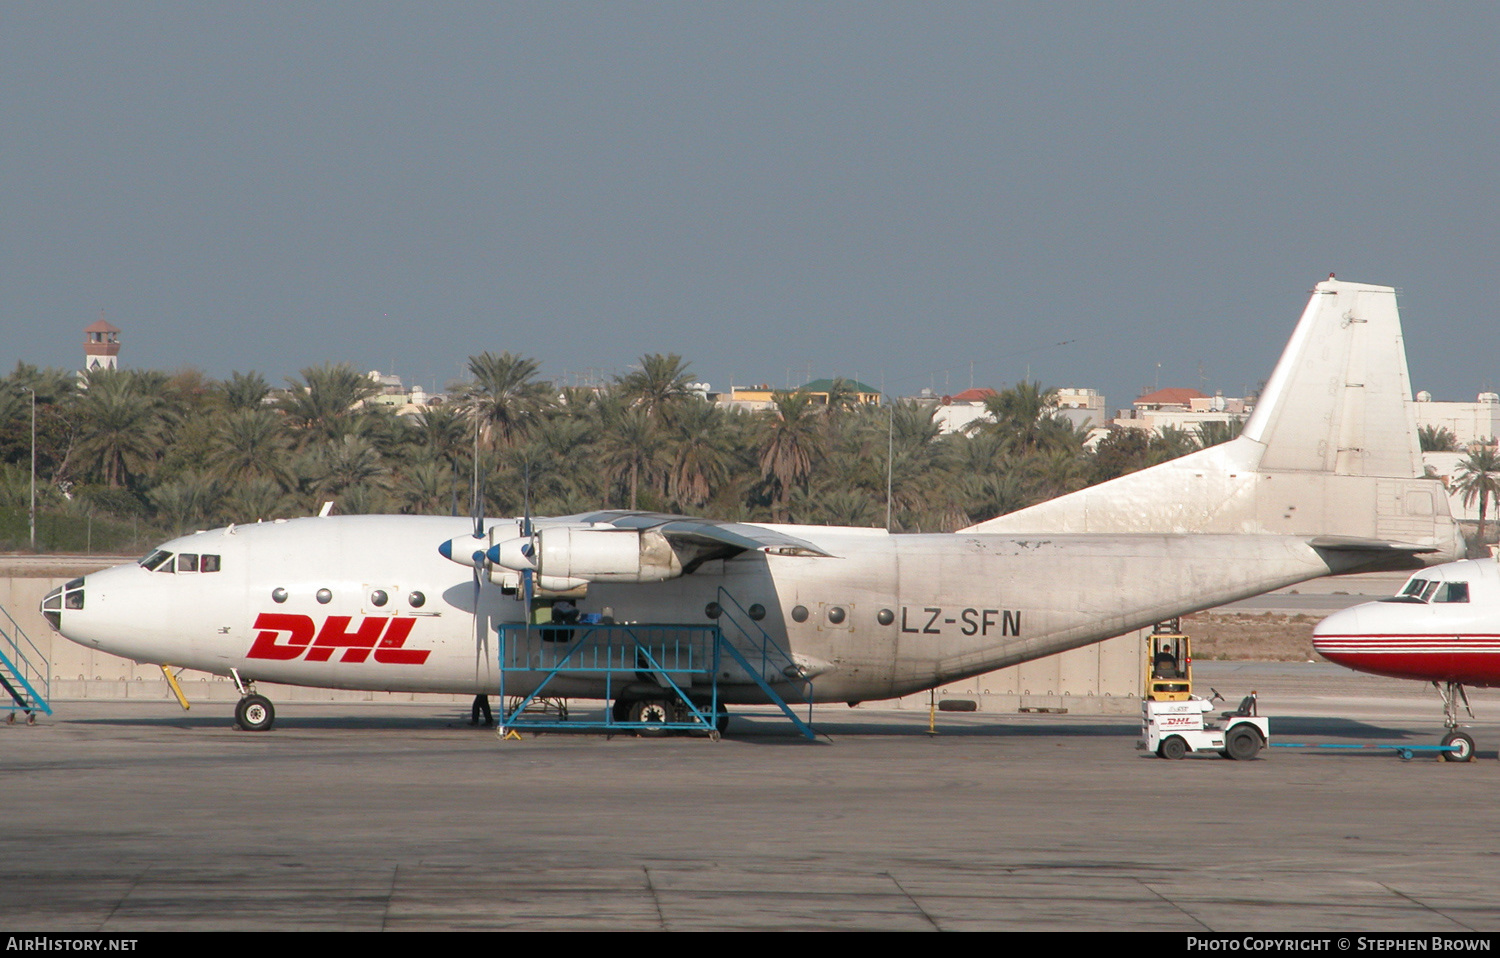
1360, 544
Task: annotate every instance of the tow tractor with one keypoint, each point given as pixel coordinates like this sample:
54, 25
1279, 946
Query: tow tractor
1174, 720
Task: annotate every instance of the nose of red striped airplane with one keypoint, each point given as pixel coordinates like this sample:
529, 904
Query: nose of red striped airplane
1340, 624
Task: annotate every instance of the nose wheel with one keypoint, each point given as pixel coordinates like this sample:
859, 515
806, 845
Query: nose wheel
1460, 744
254, 713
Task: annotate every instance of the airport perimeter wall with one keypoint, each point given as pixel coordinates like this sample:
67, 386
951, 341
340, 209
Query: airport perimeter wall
1100, 679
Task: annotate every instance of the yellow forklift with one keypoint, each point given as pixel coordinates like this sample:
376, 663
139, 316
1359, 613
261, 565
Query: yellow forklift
1174, 720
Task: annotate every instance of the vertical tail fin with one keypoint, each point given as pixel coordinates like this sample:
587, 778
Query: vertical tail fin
1339, 400
1331, 449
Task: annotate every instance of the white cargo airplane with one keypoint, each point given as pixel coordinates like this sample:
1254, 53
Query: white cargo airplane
1324, 480
1443, 627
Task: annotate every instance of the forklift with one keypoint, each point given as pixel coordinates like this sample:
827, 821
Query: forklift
1174, 720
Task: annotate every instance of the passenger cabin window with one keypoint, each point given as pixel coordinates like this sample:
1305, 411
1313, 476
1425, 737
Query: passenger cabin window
1452, 592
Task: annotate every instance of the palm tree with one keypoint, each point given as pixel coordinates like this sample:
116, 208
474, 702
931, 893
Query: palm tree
790, 442
249, 444
634, 450
252, 500
333, 468
1437, 439
504, 399
123, 424
324, 403
701, 457
659, 381
1214, 432
1026, 415
1479, 479
244, 390
186, 500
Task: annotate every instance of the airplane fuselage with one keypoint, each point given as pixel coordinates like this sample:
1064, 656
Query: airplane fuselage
366, 602
1444, 626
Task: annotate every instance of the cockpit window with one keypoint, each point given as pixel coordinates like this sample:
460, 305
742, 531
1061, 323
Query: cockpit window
1452, 592
1417, 590
209, 563
187, 562
154, 561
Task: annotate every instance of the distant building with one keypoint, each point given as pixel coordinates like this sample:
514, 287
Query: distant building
101, 346
763, 396
393, 393
1470, 422
1084, 408
960, 411
1179, 407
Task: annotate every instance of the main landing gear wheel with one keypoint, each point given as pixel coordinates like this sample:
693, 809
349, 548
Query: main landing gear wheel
1242, 745
647, 713
1465, 750
254, 713
1172, 748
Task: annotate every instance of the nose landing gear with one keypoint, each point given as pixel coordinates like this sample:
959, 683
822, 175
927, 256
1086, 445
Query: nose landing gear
254, 712
1460, 744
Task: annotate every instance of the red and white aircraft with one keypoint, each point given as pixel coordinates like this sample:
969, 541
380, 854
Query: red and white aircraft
1443, 627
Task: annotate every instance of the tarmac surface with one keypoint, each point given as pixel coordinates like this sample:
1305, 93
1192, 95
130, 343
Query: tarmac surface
131, 816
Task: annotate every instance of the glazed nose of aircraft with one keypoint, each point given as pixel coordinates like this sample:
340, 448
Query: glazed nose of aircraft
66, 596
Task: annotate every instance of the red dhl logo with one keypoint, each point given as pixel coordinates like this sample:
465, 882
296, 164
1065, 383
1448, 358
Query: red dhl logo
285, 636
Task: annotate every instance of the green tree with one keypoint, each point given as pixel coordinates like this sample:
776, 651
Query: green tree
1437, 439
504, 398
700, 453
249, 444
659, 381
123, 423
790, 443
633, 449
243, 391
1213, 432
1479, 479
324, 404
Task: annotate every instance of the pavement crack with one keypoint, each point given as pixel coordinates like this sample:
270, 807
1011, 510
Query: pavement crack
914, 903
1421, 904
128, 892
655, 899
390, 896
1169, 901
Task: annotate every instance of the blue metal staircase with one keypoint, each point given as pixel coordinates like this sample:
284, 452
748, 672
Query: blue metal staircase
25, 682
685, 662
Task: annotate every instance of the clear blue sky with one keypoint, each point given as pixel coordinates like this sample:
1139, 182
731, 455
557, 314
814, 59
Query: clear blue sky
776, 191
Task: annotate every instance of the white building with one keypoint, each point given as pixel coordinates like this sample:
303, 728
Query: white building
1470, 422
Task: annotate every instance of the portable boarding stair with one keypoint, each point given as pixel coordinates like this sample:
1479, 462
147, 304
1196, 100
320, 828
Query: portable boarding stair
685, 662
24, 685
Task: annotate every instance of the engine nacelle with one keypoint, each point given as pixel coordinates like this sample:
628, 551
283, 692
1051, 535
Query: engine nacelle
592, 555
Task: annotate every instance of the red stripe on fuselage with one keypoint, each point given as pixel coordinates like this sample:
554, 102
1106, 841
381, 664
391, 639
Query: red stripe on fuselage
1469, 659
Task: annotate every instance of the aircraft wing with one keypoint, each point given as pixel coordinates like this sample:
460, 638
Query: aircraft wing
703, 534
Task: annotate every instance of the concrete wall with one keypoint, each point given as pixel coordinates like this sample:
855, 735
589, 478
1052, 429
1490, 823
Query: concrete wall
1099, 679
